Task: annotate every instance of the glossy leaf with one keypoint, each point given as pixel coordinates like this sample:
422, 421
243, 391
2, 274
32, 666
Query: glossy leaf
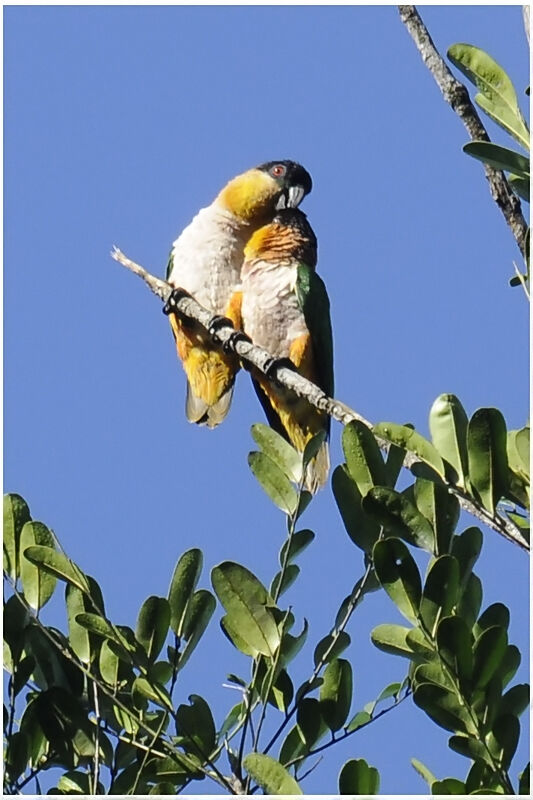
471, 598
449, 786
281, 583
282, 692
336, 693
503, 739
101, 627
433, 672
394, 464
516, 700
59, 565
495, 614
443, 707
278, 450
309, 721
409, 439
357, 777
182, 586
489, 650
17, 755
363, 456
38, 584
509, 664
79, 638
392, 639
448, 425
270, 775
468, 746
466, 548
199, 612
274, 482
247, 604
399, 576
331, 645
362, 529
423, 771
152, 625
487, 456
454, 642
440, 508
16, 515
299, 541
440, 592
497, 95
152, 691
399, 516
498, 157
358, 720
195, 724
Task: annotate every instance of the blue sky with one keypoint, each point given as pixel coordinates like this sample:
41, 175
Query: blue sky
120, 123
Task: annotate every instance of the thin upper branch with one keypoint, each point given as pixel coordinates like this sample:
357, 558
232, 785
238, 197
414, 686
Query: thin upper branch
258, 357
456, 94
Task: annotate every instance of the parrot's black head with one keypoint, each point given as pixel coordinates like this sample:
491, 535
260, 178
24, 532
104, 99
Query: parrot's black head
293, 179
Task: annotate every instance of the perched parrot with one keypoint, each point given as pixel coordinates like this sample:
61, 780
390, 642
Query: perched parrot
285, 309
206, 261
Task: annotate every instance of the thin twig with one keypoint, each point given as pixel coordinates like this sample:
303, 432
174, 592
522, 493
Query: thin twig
96, 740
456, 94
258, 357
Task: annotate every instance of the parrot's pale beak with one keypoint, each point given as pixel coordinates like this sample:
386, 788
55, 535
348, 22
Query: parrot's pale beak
291, 198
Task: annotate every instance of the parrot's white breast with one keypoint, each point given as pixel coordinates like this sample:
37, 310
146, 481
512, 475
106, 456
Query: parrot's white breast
271, 315
207, 257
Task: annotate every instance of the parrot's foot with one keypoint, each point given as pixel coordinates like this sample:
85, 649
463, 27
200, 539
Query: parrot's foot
171, 306
216, 323
273, 364
233, 340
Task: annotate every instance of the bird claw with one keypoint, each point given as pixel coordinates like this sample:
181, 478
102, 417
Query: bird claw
171, 306
217, 323
234, 338
273, 364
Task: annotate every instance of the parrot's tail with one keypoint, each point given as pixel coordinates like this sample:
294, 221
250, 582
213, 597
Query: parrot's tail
198, 411
318, 470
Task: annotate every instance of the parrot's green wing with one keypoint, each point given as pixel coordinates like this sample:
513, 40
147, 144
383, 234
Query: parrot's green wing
170, 264
314, 302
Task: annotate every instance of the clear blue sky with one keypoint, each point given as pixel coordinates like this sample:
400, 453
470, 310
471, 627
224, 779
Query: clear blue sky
120, 123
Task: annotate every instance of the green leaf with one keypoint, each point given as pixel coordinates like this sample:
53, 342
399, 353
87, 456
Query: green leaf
448, 425
152, 691
497, 95
440, 508
489, 650
357, 777
17, 755
423, 771
59, 565
363, 456
196, 725
182, 586
487, 456
358, 720
279, 451
274, 482
399, 516
78, 635
468, 746
309, 721
516, 700
291, 645
448, 786
199, 612
16, 515
495, 614
22, 673
299, 541
443, 707
509, 664
293, 746
362, 529
152, 625
411, 440
331, 644
247, 604
454, 642
336, 693
280, 585
466, 548
440, 592
38, 584
270, 775
392, 639
399, 576
391, 690
313, 446
101, 627
503, 739
499, 157
282, 692
470, 602
394, 464
164, 787
432, 672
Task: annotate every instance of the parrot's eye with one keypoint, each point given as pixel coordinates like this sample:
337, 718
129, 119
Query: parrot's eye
278, 170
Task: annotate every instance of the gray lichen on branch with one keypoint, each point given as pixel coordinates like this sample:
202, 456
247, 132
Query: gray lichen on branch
256, 356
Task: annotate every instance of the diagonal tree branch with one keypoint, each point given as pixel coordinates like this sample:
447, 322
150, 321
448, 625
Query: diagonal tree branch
456, 94
256, 356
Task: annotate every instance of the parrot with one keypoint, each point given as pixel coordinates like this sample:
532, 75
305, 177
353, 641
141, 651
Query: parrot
206, 261
285, 309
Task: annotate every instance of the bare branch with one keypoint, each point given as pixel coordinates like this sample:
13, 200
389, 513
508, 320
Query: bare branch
256, 356
456, 94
